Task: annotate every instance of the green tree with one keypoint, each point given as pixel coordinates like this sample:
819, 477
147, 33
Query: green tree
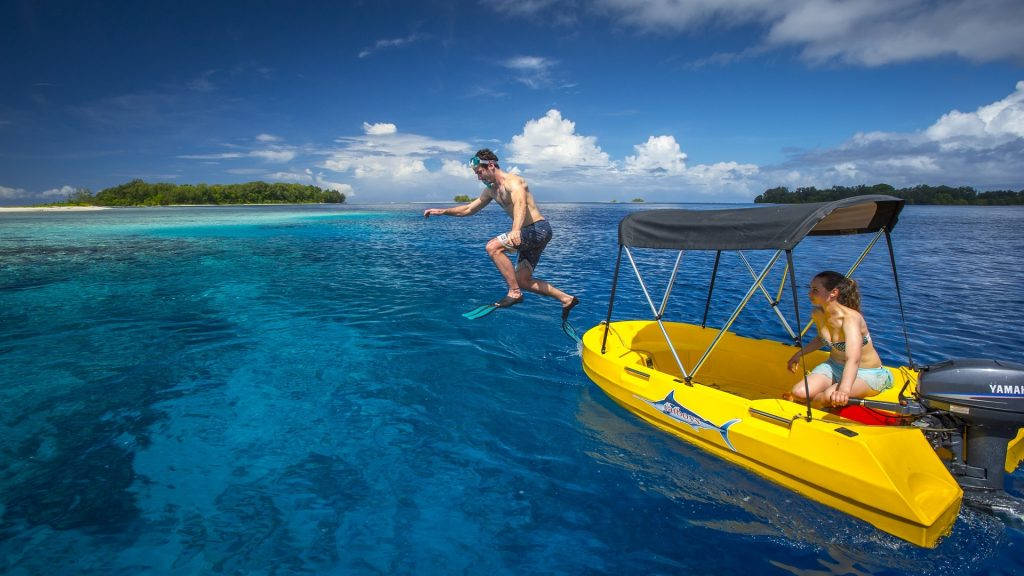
140, 193
921, 194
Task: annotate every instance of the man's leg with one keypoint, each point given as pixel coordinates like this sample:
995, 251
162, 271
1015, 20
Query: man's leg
526, 281
496, 250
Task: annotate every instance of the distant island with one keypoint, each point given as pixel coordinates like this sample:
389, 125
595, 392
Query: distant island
946, 195
141, 193
462, 198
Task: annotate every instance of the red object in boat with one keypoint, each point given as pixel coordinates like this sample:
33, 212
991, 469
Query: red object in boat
869, 416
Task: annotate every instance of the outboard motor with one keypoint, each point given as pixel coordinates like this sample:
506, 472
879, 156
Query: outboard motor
986, 399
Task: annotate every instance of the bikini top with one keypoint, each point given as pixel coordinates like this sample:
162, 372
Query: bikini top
841, 346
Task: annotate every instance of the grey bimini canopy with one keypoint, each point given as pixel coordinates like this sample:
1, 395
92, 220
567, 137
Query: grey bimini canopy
776, 227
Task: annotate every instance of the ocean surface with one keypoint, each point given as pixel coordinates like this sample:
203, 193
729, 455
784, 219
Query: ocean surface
292, 390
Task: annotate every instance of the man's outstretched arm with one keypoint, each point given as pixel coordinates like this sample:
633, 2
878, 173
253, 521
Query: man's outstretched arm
460, 210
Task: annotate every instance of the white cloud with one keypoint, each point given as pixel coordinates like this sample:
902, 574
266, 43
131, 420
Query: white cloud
997, 122
672, 15
551, 142
878, 32
532, 71
861, 32
378, 167
388, 43
309, 177
220, 156
983, 149
660, 154
62, 192
529, 63
457, 168
553, 154
274, 155
7, 193
245, 171
379, 128
525, 7
20, 195
385, 155
722, 173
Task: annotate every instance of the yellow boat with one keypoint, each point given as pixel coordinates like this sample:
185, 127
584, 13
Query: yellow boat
722, 392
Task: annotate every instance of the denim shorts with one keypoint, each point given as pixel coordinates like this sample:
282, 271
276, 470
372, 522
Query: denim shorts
878, 379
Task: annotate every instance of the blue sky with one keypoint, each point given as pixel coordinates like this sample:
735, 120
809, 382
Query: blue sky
706, 100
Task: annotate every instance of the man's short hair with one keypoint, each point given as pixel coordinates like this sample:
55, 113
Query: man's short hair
486, 155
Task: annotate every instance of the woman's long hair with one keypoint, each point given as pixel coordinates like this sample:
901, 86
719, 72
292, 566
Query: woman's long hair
849, 293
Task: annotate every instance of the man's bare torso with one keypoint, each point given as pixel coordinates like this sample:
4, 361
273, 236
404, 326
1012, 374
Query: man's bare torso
503, 196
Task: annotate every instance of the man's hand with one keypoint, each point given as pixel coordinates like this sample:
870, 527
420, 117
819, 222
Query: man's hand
515, 237
432, 212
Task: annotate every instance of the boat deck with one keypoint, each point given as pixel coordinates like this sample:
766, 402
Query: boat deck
750, 368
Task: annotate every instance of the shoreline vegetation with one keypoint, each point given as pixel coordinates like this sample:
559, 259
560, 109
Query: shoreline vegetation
935, 195
141, 193
138, 193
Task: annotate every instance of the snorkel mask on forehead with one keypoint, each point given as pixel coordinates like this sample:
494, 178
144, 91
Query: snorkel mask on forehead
476, 161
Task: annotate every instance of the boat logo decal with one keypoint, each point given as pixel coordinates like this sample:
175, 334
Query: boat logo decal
677, 411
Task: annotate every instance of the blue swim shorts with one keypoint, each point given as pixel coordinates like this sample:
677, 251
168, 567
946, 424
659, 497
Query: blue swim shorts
878, 379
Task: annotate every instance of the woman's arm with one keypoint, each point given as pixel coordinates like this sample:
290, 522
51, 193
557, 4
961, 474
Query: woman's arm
811, 346
854, 346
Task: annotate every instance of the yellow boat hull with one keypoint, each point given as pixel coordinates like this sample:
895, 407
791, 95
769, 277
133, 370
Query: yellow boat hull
888, 476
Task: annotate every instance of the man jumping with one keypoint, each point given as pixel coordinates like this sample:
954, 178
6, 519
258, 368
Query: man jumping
529, 235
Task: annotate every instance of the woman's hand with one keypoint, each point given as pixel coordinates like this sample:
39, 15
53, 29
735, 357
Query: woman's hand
840, 397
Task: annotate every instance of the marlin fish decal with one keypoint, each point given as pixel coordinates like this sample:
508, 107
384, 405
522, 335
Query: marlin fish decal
679, 412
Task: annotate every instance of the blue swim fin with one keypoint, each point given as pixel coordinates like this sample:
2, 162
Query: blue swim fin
480, 311
571, 332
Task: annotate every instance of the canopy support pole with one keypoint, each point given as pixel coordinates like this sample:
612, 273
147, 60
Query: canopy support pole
774, 304
611, 301
671, 281
782, 285
899, 297
736, 313
714, 274
856, 265
657, 317
799, 339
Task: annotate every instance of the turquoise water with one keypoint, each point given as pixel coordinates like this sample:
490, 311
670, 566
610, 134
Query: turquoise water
288, 390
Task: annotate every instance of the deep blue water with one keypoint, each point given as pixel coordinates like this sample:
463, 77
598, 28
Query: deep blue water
292, 390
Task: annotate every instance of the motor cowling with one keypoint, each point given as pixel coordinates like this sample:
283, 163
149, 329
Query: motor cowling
987, 396
983, 392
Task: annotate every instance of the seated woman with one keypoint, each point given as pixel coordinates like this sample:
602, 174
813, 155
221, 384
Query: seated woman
853, 369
